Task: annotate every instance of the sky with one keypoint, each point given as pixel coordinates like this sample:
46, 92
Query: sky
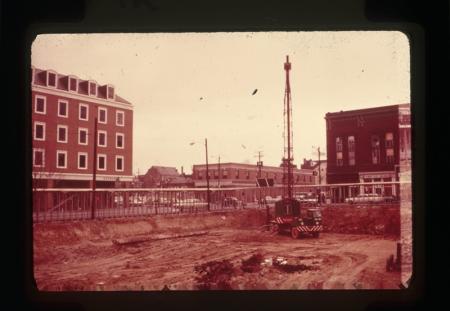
186, 87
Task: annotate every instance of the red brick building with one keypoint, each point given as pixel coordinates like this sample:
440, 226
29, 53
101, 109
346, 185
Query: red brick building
245, 175
367, 145
64, 109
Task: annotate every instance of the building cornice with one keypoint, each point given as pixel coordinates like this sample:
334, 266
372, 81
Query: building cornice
81, 97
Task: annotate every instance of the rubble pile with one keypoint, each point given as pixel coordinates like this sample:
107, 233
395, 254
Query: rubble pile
253, 264
214, 275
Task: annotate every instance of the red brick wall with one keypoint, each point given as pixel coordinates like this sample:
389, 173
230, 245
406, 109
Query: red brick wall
374, 124
50, 145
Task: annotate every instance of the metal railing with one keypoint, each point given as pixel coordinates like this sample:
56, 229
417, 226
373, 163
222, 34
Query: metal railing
76, 204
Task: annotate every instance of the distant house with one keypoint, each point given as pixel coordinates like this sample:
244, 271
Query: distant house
314, 165
165, 177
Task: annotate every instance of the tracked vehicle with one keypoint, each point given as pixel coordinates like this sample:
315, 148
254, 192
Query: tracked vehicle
290, 217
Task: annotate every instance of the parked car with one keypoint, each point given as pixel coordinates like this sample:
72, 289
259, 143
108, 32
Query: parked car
365, 198
232, 201
189, 203
306, 197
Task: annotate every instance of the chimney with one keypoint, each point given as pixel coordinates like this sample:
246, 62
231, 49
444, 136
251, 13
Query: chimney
182, 171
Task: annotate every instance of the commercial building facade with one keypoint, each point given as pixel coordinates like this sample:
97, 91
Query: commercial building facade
64, 109
368, 145
245, 175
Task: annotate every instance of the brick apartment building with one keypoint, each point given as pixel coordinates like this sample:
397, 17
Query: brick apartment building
368, 145
64, 109
245, 175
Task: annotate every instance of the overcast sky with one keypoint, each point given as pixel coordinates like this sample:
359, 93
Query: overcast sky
192, 86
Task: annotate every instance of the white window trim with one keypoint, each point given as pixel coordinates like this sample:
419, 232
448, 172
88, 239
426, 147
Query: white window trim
76, 84
123, 118
123, 163
106, 115
123, 140
98, 162
57, 133
79, 136
43, 131
35, 104
58, 152
78, 160
98, 138
67, 108
79, 112
43, 157
56, 79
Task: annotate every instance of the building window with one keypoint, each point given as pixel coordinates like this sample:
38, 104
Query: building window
83, 112
390, 156
375, 142
40, 103
101, 138
82, 160
62, 108
110, 91
216, 174
119, 163
225, 174
102, 115
51, 79
73, 84
389, 140
92, 88
120, 118
39, 131
338, 144
351, 150
237, 174
61, 159
38, 157
339, 159
248, 175
120, 140
82, 136
62, 134
199, 174
101, 162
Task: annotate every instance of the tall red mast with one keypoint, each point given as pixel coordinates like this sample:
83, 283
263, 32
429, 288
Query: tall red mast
288, 136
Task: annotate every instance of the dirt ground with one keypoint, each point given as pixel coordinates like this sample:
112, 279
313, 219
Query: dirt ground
233, 252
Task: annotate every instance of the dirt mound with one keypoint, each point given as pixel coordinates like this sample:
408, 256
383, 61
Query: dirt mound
377, 220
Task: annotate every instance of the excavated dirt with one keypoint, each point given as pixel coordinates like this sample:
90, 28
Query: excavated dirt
235, 254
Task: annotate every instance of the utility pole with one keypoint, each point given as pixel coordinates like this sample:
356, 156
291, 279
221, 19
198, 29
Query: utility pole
94, 175
319, 199
259, 164
207, 175
218, 183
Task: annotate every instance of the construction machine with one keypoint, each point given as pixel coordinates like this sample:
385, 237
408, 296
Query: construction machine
289, 214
